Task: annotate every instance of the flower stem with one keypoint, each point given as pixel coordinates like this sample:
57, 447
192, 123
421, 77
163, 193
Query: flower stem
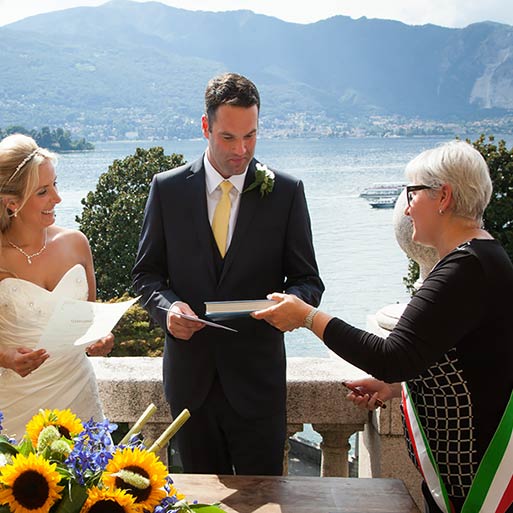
172, 429
136, 428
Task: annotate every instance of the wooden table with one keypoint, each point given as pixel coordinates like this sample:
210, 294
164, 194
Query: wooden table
294, 494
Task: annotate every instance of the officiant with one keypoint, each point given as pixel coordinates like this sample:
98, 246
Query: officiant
452, 347
226, 227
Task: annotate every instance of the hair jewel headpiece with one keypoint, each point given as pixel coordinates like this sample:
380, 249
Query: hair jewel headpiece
28, 158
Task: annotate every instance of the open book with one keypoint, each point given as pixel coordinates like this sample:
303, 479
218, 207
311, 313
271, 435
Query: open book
218, 310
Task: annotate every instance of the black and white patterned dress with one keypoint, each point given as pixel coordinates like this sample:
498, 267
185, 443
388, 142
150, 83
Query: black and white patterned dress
454, 346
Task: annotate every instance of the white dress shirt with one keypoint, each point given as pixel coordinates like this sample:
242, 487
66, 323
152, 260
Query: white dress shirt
212, 181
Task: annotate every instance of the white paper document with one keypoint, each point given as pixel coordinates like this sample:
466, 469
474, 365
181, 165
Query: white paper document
197, 319
75, 322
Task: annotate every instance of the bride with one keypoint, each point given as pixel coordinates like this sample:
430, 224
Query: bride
40, 263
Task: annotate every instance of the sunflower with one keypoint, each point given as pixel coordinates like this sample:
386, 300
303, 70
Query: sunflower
108, 501
31, 484
66, 422
173, 492
138, 472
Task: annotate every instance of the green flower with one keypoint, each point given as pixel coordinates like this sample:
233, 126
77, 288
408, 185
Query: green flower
264, 179
47, 436
60, 449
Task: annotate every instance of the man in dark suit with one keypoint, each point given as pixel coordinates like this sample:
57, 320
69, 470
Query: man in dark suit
234, 384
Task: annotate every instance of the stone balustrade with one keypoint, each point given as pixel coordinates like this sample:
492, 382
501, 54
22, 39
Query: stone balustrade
382, 451
315, 396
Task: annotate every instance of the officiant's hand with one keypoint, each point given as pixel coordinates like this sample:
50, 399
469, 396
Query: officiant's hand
103, 347
287, 314
373, 390
179, 327
23, 360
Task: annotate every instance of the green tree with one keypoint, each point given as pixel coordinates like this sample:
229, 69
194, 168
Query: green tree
113, 213
44, 137
55, 140
412, 276
498, 216
16, 129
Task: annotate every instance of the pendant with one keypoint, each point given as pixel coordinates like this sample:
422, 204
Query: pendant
29, 260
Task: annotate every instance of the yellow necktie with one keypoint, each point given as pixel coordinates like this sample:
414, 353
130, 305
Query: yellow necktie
222, 217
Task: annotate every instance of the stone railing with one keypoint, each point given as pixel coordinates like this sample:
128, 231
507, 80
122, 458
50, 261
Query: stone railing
382, 449
315, 396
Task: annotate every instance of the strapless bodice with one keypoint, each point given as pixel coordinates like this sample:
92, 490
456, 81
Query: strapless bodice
25, 307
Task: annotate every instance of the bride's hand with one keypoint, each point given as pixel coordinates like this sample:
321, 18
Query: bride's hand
23, 360
102, 347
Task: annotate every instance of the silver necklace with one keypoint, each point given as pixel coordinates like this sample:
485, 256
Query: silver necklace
25, 254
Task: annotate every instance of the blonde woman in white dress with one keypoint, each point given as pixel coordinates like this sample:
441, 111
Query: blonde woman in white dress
40, 263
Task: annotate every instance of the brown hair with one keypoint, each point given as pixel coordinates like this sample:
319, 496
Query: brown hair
229, 89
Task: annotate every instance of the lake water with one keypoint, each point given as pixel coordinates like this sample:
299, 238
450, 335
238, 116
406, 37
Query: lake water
360, 261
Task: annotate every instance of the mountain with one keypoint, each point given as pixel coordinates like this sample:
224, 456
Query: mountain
135, 66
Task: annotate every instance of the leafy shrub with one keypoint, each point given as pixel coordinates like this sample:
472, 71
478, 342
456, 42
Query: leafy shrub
498, 217
112, 216
136, 334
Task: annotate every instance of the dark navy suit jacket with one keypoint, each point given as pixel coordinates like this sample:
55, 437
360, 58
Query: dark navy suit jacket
271, 250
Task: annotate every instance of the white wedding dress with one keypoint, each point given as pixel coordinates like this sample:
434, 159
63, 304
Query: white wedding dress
64, 380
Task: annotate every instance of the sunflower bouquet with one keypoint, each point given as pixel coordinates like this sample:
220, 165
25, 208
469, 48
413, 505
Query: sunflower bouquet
62, 465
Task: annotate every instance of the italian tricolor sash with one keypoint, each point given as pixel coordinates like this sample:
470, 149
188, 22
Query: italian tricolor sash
492, 487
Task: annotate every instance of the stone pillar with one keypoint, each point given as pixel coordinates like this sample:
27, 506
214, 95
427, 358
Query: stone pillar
383, 451
292, 429
335, 448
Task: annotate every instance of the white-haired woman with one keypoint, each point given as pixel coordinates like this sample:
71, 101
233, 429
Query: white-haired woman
452, 348
40, 263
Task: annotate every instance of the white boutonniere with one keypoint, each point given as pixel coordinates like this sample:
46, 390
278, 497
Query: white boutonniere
264, 180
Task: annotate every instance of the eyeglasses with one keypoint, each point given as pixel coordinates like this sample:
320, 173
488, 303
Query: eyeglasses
410, 189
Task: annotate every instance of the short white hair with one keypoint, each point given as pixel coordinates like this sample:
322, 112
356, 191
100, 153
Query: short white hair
460, 165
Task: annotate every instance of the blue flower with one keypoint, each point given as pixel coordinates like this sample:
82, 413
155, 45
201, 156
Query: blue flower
92, 451
85, 467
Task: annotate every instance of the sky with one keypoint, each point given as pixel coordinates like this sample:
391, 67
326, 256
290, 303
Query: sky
447, 13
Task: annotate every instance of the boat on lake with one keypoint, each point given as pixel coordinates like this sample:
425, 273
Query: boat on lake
383, 194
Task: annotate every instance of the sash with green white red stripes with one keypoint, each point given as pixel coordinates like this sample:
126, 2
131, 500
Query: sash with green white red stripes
492, 487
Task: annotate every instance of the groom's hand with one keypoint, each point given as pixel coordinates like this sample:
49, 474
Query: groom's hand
179, 327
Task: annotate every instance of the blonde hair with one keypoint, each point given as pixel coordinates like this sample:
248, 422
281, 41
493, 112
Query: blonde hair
20, 158
460, 165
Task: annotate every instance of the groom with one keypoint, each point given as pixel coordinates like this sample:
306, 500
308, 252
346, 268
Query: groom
206, 238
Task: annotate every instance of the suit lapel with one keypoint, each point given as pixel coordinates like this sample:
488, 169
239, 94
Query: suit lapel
247, 208
197, 201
